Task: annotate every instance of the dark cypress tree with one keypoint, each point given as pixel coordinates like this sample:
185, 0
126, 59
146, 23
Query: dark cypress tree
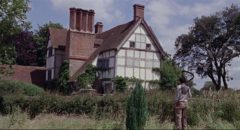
137, 109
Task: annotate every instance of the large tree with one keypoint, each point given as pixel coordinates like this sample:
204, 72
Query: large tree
12, 22
41, 38
210, 45
25, 49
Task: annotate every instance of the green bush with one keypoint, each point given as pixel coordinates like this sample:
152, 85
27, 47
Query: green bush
16, 87
62, 84
169, 74
87, 79
120, 84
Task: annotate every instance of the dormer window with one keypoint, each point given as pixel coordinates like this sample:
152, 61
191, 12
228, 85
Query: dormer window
148, 46
132, 45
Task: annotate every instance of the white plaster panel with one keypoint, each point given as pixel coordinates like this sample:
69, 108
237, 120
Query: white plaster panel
143, 46
129, 72
148, 40
148, 74
142, 63
138, 30
136, 73
156, 64
121, 61
129, 62
132, 38
95, 61
149, 64
155, 56
136, 62
142, 54
138, 45
142, 30
120, 71
143, 38
121, 52
142, 74
138, 37
130, 53
155, 76
52, 71
126, 44
137, 54
50, 62
149, 55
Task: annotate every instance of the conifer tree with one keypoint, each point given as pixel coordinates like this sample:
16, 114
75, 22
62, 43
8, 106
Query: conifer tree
137, 109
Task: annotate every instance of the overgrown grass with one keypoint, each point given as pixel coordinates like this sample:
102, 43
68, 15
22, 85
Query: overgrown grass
221, 110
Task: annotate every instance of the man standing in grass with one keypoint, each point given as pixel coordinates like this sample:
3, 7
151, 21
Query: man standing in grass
183, 93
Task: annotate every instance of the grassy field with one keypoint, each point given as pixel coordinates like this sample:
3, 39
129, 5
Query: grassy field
217, 110
51, 121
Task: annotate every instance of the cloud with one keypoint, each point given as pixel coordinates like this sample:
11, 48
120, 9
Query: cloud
104, 9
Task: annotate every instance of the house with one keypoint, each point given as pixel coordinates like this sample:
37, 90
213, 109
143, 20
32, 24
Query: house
128, 50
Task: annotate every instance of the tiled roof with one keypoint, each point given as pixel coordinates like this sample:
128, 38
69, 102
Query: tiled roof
58, 37
113, 37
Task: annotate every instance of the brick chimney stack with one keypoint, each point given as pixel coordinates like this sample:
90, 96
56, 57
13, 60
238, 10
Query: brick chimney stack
98, 27
138, 10
81, 20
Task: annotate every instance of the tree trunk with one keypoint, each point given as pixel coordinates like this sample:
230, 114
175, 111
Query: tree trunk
224, 78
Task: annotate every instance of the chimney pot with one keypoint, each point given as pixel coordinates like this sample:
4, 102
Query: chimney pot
98, 27
138, 11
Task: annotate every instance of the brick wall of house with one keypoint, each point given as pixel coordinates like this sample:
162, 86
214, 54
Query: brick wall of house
28, 74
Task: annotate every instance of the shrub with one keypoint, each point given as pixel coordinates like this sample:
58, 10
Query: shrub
16, 87
169, 74
87, 79
120, 84
137, 109
62, 82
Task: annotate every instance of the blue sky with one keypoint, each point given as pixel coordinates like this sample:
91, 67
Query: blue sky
168, 18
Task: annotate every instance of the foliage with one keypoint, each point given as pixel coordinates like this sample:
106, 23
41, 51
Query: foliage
169, 74
17, 87
63, 77
25, 49
120, 84
137, 112
41, 39
12, 21
210, 45
88, 77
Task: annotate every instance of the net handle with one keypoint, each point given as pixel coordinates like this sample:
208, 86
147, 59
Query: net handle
184, 71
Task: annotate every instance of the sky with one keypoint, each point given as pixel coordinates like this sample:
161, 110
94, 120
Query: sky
168, 18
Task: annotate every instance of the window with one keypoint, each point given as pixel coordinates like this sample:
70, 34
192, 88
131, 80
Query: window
49, 74
96, 45
148, 46
132, 44
103, 63
50, 51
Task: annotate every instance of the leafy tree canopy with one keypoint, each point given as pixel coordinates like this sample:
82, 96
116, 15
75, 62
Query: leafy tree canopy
210, 45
